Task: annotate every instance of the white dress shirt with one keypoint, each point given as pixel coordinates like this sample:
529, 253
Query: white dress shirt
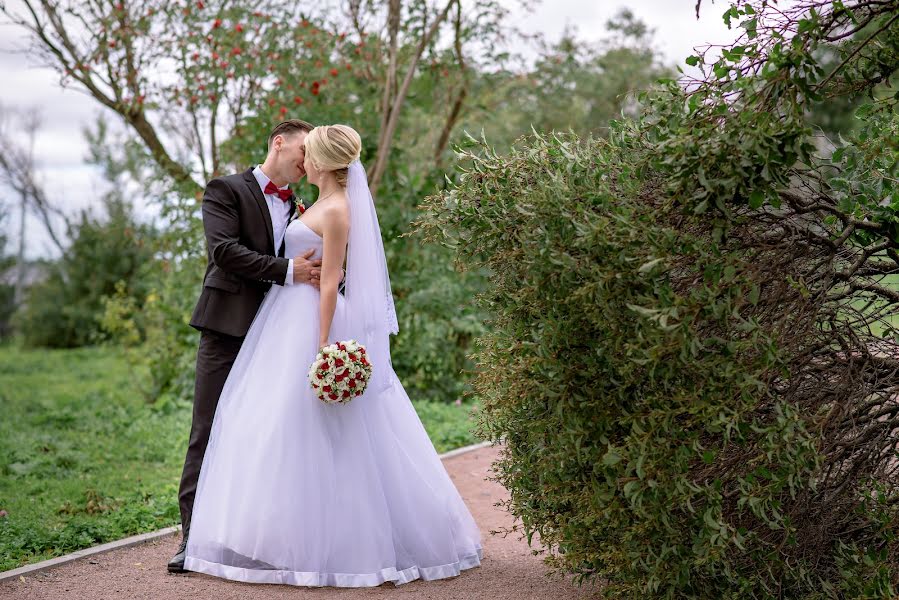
280, 212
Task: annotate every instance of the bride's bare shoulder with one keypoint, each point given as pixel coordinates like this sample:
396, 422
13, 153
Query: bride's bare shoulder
337, 214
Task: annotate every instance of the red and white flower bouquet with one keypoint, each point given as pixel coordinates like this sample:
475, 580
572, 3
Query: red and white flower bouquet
340, 372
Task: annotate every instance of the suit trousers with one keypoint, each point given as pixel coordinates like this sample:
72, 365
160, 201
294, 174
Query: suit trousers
215, 357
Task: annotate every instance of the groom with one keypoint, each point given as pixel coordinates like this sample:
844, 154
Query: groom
245, 217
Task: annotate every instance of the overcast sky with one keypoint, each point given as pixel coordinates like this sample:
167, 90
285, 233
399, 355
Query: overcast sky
60, 146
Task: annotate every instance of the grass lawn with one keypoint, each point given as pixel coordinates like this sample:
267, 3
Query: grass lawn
85, 460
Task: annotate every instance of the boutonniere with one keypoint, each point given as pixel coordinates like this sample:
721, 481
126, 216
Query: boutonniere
299, 204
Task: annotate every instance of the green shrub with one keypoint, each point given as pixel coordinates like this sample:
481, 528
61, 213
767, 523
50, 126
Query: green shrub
692, 359
66, 309
650, 384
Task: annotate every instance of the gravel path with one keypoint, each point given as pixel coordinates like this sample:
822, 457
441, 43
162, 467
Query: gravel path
508, 569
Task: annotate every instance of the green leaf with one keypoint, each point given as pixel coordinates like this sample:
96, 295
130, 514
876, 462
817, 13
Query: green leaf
756, 199
611, 458
754, 295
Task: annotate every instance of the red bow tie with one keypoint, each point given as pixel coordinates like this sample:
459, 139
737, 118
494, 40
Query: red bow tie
284, 194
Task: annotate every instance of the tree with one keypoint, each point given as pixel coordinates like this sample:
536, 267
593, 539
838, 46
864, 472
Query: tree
8, 296
188, 76
18, 171
66, 309
573, 85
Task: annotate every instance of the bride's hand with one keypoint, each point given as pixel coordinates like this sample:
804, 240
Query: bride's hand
322, 344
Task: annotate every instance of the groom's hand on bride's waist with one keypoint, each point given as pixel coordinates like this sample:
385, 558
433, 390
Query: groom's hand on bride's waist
305, 270
309, 271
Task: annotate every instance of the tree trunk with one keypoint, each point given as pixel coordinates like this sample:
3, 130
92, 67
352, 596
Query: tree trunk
392, 119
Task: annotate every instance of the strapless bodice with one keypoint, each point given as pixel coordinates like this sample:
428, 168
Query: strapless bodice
299, 238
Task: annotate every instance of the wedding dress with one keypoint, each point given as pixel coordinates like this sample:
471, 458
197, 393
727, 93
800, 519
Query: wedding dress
296, 491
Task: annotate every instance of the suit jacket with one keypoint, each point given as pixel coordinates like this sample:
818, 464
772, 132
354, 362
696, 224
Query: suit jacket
242, 262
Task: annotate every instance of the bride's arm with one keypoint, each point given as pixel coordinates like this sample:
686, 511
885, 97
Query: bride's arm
334, 236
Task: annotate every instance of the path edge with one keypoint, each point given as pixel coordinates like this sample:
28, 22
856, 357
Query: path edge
143, 538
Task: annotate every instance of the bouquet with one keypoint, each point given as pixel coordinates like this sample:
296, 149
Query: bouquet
340, 372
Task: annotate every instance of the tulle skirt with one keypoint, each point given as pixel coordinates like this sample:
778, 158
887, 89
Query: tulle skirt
296, 491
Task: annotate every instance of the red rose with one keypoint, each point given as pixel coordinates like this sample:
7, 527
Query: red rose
332, 396
326, 388
333, 72
238, 28
217, 23
352, 383
297, 100
346, 394
338, 362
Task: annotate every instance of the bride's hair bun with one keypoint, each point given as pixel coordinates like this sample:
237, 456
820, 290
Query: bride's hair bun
334, 148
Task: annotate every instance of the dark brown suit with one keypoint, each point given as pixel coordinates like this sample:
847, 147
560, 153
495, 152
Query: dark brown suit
241, 267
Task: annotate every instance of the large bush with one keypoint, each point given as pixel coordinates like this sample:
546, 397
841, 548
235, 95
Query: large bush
691, 358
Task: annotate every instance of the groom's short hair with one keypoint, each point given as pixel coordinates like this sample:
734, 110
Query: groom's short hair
289, 127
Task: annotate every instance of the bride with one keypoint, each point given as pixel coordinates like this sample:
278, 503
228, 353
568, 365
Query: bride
296, 491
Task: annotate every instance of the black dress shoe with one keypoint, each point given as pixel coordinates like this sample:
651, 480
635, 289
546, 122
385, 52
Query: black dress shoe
176, 565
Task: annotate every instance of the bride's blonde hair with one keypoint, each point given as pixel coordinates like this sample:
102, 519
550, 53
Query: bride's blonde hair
333, 148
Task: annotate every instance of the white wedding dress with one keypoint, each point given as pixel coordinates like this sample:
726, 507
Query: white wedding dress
295, 491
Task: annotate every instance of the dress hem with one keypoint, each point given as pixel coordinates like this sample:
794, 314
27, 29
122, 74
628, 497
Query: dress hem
314, 579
